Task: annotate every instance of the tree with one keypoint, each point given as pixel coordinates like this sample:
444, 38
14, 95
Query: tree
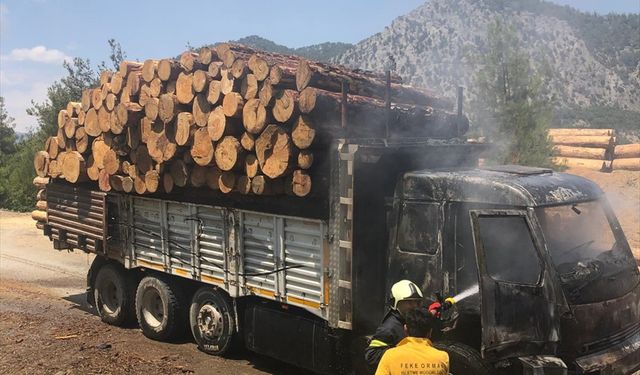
7, 134
512, 110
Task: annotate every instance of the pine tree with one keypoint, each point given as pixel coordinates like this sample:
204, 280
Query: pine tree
7, 133
512, 110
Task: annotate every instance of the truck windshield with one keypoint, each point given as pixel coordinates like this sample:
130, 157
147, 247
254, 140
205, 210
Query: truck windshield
592, 266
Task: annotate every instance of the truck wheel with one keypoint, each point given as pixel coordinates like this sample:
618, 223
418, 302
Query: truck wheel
159, 308
212, 322
113, 295
463, 359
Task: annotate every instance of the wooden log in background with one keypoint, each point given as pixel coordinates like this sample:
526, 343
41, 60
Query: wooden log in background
596, 165
629, 164
582, 152
627, 151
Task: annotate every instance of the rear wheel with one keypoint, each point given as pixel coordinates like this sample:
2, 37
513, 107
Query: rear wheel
463, 359
212, 322
160, 308
113, 295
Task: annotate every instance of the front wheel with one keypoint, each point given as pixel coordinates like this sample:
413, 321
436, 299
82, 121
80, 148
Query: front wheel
212, 321
463, 359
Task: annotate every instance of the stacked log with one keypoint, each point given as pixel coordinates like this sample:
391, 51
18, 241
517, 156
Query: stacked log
627, 157
583, 148
40, 213
231, 119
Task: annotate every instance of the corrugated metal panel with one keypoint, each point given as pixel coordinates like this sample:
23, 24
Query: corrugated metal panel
146, 224
258, 238
180, 234
303, 246
76, 216
211, 242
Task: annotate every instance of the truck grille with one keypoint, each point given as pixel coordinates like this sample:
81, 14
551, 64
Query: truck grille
611, 340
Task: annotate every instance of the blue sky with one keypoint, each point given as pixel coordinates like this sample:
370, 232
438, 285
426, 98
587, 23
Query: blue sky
37, 35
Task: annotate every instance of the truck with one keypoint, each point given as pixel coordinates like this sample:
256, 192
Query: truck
548, 280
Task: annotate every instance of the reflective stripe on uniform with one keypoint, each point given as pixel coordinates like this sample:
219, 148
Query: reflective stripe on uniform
377, 344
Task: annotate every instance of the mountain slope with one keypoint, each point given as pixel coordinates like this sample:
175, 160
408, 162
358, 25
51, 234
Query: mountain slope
594, 59
320, 52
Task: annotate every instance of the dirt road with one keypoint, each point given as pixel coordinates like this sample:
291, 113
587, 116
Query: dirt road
46, 326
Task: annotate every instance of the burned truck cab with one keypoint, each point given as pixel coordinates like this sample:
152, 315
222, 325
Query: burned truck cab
544, 276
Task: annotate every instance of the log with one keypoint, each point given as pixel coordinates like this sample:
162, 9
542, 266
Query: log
603, 141
213, 93
629, 164
132, 137
581, 152
214, 69
168, 70
226, 182
86, 99
93, 172
167, 182
624, 151
254, 116
110, 101
41, 194
40, 182
151, 109
206, 55
156, 87
201, 110
249, 87
144, 163
167, 107
74, 168
284, 105
303, 132
580, 132
259, 67
227, 82
134, 82
162, 148
121, 183
145, 94
39, 216
273, 150
331, 78
243, 185
112, 163
41, 163
139, 185
149, 69
126, 115
41, 205
239, 68
152, 180
248, 141
96, 98
201, 79
82, 115
212, 176
184, 88
70, 127
55, 168
105, 76
232, 104
126, 67
82, 140
179, 173
52, 147
261, 185
198, 177
300, 183
62, 118
40, 225
202, 149
596, 165
266, 93
104, 119
116, 84
91, 125
73, 108
305, 159
189, 62
229, 154
185, 126
251, 166
105, 90
62, 139
99, 150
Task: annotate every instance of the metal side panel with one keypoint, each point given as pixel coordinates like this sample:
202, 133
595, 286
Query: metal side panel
258, 233
179, 235
146, 232
212, 245
303, 246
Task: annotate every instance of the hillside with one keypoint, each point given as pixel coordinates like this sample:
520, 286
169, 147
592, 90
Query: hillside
594, 59
320, 52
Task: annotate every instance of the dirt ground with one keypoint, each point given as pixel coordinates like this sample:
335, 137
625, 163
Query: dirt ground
623, 192
46, 326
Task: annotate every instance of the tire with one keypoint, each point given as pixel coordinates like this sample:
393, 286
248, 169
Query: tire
160, 308
212, 322
113, 295
463, 359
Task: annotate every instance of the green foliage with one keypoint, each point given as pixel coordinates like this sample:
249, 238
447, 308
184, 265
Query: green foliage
512, 109
7, 134
625, 122
16, 170
320, 52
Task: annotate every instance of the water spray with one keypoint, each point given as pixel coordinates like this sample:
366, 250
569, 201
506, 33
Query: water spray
466, 293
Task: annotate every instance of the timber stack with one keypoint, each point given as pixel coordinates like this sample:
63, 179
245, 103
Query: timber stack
232, 119
583, 148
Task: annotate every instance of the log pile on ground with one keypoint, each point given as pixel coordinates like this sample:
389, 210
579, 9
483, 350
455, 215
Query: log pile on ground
627, 157
583, 148
232, 119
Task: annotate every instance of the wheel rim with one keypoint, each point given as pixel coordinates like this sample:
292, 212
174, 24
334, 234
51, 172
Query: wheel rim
152, 308
210, 322
110, 297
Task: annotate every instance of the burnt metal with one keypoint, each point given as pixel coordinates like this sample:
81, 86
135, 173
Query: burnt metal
387, 104
344, 104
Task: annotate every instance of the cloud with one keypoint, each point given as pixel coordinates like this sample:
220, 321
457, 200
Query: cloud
40, 54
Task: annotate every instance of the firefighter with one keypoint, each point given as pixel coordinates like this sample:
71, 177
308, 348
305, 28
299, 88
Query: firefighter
405, 296
415, 353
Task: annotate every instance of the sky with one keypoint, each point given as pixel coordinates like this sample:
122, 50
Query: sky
36, 36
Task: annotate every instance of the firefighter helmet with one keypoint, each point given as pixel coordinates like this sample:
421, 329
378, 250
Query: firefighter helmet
404, 290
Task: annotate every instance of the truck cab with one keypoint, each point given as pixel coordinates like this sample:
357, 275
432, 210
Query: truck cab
547, 279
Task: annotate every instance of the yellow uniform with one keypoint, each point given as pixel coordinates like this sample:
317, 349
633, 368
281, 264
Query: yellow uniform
414, 356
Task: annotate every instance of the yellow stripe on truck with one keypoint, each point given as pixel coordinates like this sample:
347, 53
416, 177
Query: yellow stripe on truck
377, 344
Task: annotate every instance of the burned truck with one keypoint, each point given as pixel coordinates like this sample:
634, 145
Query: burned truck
558, 290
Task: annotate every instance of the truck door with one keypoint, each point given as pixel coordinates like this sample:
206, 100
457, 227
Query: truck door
518, 309
416, 253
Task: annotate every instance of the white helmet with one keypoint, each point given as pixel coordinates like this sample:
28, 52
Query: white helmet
405, 290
